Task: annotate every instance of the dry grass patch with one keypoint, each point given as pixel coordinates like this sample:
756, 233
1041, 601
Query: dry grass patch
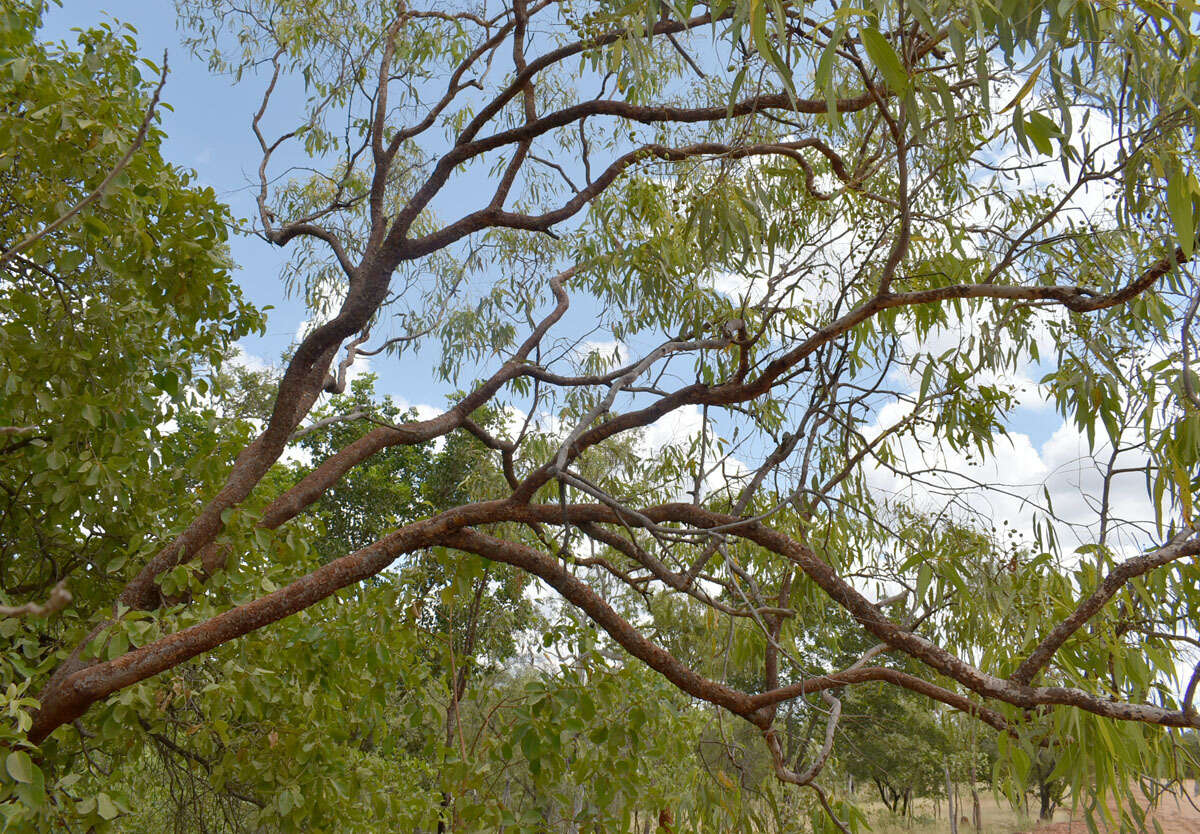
998, 818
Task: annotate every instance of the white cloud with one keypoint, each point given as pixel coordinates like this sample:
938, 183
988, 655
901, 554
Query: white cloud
244, 359
612, 353
1011, 484
680, 426
425, 411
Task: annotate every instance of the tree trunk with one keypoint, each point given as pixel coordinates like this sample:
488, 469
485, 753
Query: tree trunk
1046, 811
890, 803
951, 806
976, 811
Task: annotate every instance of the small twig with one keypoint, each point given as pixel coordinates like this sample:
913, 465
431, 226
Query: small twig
561, 172
691, 63
782, 771
59, 599
1186, 334
397, 340
828, 810
337, 384
357, 414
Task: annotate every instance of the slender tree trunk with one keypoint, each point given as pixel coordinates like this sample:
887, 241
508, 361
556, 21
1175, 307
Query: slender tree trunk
1046, 811
976, 811
458, 686
882, 796
951, 805
576, 806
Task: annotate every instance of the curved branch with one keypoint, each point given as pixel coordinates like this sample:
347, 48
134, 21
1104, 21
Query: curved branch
1185, 543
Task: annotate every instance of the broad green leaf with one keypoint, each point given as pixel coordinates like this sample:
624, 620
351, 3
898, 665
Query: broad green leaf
105, 806
19, 766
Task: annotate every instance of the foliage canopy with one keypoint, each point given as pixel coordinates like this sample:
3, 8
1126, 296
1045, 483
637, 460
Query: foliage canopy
834, 238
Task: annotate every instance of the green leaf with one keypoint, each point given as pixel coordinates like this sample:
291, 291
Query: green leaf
885, 59
1179, 204
762, 43
823, 77
1040, 129
924, 575
118, 645
105, 806
96, 226
926, 379
19, 766
1025, 90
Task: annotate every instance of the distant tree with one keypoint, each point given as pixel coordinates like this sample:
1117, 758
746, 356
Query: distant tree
895, 743
1049, 789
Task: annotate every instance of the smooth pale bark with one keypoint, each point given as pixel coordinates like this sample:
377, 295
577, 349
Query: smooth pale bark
951, 804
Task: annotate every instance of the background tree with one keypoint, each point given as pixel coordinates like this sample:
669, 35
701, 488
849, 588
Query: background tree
105, 323
895, 743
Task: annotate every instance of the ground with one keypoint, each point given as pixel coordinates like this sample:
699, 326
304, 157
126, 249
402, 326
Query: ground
1174, 816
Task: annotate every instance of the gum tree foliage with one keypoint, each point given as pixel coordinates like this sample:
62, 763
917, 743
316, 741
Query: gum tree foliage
833, 234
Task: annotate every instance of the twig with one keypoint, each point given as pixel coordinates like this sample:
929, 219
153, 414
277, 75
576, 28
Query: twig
1186, 337
59, 599
357, 414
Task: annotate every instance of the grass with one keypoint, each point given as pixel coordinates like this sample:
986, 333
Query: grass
998, 818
